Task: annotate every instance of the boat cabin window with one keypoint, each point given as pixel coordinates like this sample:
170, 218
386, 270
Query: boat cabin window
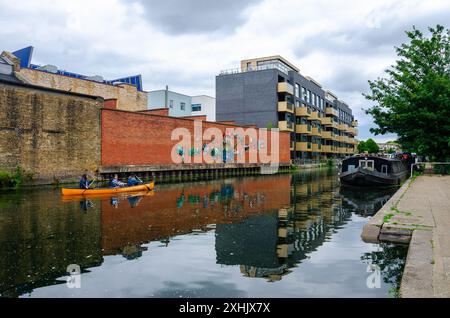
351, 168
367, 164
384, 169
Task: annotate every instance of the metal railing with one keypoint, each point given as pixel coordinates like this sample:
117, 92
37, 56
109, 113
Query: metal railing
442, 168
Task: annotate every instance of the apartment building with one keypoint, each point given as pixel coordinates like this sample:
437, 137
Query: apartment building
271, 92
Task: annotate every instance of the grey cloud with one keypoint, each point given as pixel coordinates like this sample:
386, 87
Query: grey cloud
348, 79
177, 17
369, 40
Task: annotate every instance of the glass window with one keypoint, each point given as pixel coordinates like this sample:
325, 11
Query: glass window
183, 106
297, 91
304, 96
309, 96
196, 107
171, 103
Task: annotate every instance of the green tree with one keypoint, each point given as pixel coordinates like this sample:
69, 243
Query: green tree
362, 147
414, 100
371, 146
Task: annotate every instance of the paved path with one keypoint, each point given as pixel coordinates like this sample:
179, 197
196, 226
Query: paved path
419, 213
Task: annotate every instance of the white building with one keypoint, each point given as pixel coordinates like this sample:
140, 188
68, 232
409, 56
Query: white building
204, 105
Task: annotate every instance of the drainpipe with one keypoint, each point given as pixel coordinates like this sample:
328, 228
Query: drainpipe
166, 100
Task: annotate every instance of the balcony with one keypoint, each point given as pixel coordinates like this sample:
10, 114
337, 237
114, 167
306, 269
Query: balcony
285, 107
327, 149
303, 129
316, 148
327, 121
285, 87
331, 111
304, 146
316, 132
303, 111
353, 131
286, 126
355, 123
327, 134
314, 116
343, 127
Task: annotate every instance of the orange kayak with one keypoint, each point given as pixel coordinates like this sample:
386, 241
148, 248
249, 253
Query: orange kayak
77, 198
143, 187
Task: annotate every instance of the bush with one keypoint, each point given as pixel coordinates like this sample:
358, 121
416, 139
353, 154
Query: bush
13, 180
442, 169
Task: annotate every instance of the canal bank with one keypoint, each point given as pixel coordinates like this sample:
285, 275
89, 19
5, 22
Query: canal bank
418, 214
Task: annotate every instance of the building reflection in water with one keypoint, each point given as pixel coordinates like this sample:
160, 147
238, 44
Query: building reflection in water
270, 245
264, 225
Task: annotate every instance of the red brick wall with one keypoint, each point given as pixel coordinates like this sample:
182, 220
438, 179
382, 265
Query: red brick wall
159, 111
111, 103
130, 138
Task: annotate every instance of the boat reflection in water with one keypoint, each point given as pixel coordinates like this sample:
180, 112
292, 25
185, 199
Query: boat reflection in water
260, 226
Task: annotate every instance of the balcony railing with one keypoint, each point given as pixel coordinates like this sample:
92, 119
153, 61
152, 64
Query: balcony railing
285, 126
327, 149
314, 116
331, 111
304, 146
303, 129
327, 121
327, 134
303, 111
316, 132
285, 107
316, 148
285, 87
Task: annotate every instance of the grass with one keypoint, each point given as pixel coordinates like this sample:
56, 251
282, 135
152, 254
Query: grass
388, 217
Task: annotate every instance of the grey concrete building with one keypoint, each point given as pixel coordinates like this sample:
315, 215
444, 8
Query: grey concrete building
270, 92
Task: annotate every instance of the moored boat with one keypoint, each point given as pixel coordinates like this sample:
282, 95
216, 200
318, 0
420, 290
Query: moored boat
142, 187
373, 171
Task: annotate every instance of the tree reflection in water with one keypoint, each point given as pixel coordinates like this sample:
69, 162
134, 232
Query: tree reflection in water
390, 259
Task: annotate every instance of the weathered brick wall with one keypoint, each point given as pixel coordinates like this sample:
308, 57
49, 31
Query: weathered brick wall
128, 97
142, 139
54, 136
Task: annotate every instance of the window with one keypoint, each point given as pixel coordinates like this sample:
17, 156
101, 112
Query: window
309, 97
297, 91
367, 164
384, 169
171, 103
196, 107
304, 96
183, 106
314, 99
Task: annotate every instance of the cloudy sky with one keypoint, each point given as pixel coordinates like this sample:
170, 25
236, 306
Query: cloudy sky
186, 43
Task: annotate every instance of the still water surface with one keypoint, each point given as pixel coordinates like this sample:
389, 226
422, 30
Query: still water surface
269, 236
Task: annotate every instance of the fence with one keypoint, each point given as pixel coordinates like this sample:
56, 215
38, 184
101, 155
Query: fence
301, 162
442, 168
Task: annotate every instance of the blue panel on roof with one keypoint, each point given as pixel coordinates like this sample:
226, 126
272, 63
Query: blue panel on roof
25, 56
132, 80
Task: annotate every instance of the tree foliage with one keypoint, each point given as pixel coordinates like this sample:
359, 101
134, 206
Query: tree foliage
362, 146
413, 101
369, 146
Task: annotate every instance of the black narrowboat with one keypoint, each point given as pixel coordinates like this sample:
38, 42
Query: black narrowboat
367, 171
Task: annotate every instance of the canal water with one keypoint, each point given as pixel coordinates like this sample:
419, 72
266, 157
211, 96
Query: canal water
267, 236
